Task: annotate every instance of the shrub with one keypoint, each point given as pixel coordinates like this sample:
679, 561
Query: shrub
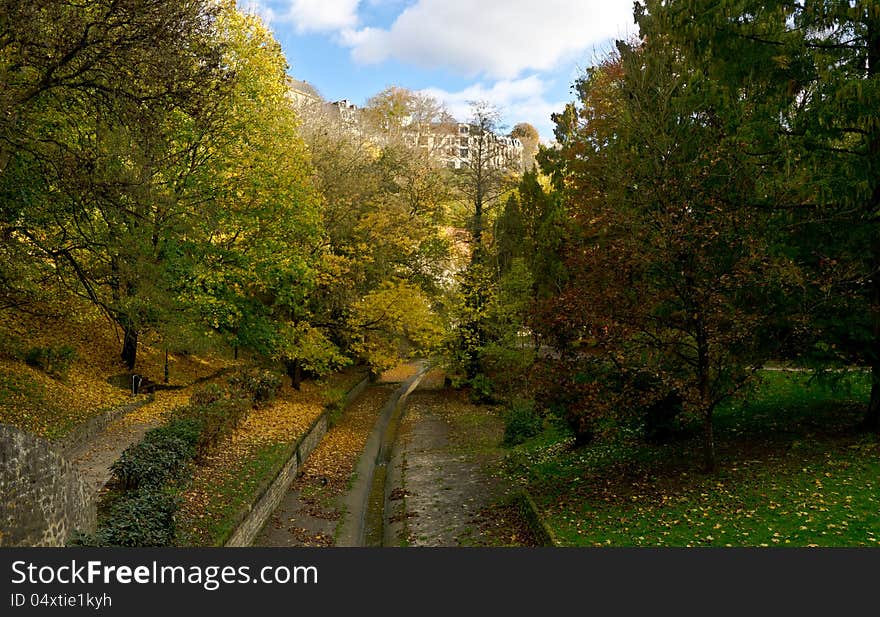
208, 394
259, 385
160, 457
482, 389
215, 420
521, 422
335, 405
144, 517
53, 361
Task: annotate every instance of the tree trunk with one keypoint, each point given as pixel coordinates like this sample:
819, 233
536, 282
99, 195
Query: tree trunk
294, 371
129, 346
708, 443
872, 417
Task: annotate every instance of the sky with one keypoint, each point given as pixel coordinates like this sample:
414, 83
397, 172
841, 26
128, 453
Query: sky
521, 55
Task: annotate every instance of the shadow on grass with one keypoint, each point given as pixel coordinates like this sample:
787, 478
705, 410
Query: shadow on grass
792, 469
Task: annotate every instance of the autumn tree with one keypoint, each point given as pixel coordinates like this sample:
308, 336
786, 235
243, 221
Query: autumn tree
382, 200
251, 266
670, 274
805, 76
486, 174
480, 183
103, 106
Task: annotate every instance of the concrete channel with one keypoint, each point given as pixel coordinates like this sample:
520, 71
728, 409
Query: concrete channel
364, 504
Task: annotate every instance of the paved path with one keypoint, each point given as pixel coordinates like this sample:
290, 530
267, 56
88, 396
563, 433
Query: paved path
443, 490
93, 458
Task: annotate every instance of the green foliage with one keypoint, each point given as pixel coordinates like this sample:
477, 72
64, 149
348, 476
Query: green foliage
797, 83
160, 457
335, 404
143, 517
310, 348
481, 389
207, 394
395, 317
259, 385
215, 420
521, 422
147, 475
55, 361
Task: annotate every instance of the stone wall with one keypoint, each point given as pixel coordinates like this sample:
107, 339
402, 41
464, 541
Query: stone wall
89, 429
266, 503
43, 500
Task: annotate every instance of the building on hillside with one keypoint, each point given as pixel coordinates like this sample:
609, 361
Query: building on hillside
345, 111
303, 94
458, 145
455, 145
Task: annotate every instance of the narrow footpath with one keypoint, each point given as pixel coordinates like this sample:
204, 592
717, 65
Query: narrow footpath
94, 457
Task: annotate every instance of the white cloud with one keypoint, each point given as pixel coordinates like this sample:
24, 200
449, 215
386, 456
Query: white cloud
309, 15
519, 100
497, 38
324, 15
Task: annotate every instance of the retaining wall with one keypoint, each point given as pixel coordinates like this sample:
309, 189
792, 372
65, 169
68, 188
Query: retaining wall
43, 499
269, 498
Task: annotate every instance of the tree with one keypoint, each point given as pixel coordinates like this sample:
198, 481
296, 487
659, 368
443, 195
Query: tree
382, 201
805, 79
255, 262
103, 109
488, 172
676, 273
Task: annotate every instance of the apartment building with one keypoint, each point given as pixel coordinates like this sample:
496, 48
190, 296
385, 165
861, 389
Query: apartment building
456, 145
461, 145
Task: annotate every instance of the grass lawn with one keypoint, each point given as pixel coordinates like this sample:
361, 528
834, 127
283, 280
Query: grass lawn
792, 471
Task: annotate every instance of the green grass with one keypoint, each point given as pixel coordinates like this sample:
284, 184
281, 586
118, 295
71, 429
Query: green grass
792, 471
231, 498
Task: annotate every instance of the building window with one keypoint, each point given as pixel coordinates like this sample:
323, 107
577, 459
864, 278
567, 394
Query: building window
464, 142
463, 153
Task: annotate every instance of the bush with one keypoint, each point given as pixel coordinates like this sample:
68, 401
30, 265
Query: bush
482, 390
208, 394
521, 422
160, 457
335, 405
144, 517
258, 384
53, 361
215, 420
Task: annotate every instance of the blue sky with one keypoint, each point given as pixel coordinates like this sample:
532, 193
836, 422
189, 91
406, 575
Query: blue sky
521, 55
